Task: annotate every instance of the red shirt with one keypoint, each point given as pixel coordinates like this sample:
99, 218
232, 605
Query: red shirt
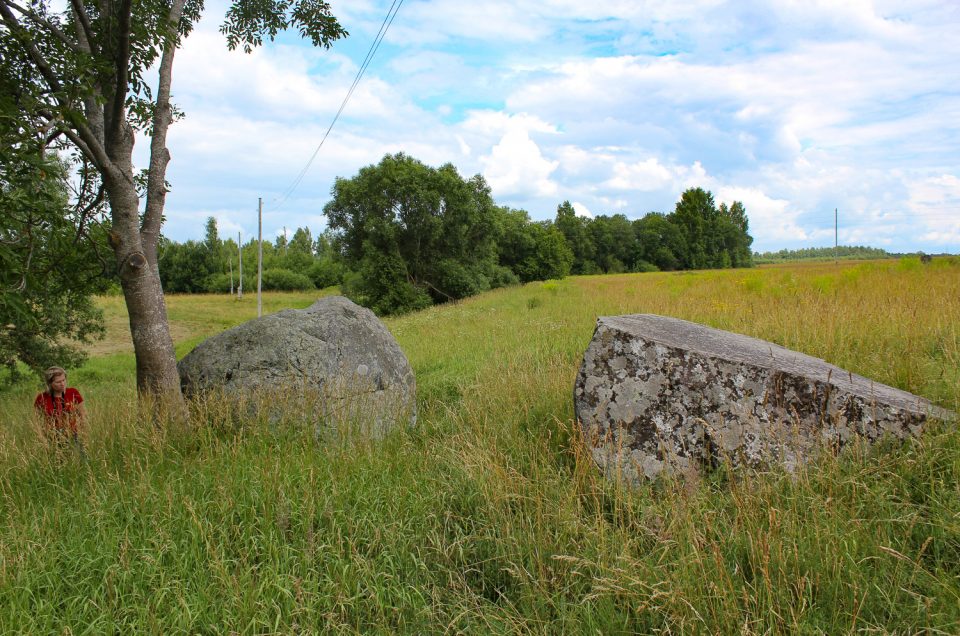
60, 412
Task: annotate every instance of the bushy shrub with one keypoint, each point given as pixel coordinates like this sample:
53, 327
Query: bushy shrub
589, 268
501, 276
383, 286
279, 279
218, 283
327, 272
643, 266
615, 266
455, 281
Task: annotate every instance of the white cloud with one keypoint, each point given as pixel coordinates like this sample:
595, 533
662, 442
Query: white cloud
464, 146
644, 175
444, 20
793, 107
581, 210
515, 166
771, 220
492, 122
935, 204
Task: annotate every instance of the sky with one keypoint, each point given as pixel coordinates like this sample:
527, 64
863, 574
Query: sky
796, 108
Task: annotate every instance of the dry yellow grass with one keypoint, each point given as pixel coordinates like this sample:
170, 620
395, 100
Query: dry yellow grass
194, 316
488, 516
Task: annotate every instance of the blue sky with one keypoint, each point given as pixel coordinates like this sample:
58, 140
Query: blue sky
792, 107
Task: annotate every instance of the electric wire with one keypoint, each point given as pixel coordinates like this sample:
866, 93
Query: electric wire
374, 46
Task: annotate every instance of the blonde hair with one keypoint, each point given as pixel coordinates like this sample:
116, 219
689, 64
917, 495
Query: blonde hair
53, 373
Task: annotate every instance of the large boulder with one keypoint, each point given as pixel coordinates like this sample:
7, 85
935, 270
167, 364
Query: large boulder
333, 363
659, 395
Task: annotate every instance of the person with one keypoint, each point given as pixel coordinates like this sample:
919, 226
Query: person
61, 408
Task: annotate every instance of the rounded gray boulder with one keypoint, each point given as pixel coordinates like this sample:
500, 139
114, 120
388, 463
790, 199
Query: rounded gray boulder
334, 363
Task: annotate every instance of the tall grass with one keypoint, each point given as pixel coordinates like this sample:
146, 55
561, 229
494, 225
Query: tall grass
488, 517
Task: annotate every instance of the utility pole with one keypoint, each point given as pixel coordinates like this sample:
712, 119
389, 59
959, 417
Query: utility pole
259, 257
284, 240
240, 267
836, 236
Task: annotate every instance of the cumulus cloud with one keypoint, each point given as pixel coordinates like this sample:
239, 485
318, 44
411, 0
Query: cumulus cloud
645, 175
515, 166
772, 219
581, 210
793, 108
935, 203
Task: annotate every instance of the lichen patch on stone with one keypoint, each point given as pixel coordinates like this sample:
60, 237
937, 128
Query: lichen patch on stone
659, 395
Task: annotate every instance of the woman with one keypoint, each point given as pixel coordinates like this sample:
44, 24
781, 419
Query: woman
61, 408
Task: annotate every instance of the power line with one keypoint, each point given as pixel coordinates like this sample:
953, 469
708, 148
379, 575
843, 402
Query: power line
384, 27
867, 218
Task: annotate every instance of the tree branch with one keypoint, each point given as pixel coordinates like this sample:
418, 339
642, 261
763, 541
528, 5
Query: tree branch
82, 137
45, 24
26, 41
93, 205
122, 73
159, 155
87, 40
83, 20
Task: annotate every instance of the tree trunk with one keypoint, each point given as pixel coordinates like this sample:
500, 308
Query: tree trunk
157, 376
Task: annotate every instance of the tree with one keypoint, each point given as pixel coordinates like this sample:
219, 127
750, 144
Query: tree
50, 265
574, 229
298, 256
737, 237
329, 268
532, 251
658, 242
83, 79
412, 232
184, 267
52, 242
694, 215
612, 237
302, 241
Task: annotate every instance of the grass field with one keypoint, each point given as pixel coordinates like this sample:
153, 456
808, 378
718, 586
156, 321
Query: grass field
487, 517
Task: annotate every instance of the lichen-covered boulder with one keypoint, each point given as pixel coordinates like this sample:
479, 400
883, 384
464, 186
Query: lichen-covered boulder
658, 395
333, 363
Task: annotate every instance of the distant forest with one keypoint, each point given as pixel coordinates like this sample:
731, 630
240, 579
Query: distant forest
403, 236
849, 252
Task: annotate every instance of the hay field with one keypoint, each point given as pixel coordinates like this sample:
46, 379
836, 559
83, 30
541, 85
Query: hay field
488, 518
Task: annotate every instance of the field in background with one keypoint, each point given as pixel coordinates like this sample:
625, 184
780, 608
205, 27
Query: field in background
195, 317
487, 518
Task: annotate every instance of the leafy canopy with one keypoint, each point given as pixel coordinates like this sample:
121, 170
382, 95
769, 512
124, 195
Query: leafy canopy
414, 234
52, 259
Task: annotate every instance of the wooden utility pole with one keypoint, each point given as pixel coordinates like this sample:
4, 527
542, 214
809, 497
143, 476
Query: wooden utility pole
259, 257
836, 236
240, 267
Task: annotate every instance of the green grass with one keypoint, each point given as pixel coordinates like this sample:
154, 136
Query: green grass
488, 517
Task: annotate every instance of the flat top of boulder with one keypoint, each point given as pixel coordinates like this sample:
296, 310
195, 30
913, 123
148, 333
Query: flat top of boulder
715, 343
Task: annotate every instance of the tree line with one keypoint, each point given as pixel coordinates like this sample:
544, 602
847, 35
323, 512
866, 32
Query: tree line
213, 265
821, 253
403, 235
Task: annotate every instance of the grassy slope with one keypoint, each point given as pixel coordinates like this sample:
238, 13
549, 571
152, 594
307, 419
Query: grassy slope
487, 518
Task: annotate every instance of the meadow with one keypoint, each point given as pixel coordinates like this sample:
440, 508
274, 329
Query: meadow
488, 517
